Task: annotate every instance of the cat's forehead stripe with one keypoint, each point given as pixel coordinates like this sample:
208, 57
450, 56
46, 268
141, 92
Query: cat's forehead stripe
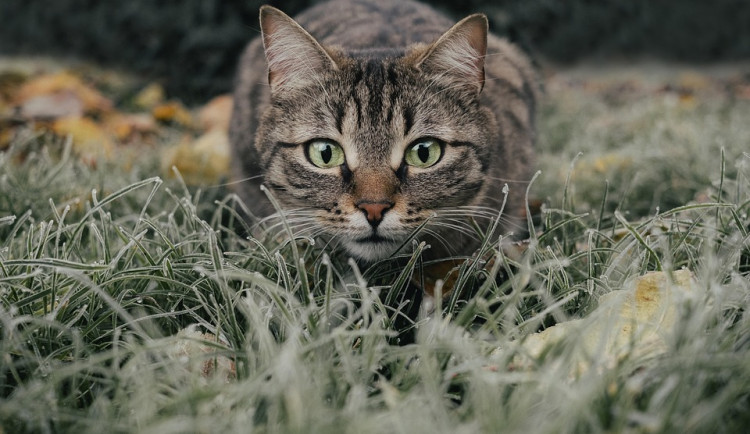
348, 132
369, 106
408, 119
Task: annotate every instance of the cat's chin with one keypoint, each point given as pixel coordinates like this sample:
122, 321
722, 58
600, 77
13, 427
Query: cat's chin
371, 249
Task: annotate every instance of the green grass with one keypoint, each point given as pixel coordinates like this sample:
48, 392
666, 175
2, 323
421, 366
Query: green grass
95, 286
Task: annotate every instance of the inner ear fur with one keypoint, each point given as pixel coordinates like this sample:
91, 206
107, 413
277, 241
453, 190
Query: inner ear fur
294, 57
458, 55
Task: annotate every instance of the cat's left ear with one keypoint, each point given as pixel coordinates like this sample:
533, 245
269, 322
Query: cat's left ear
295, 58
458, 55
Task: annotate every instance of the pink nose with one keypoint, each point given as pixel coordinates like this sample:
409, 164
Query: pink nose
374, 211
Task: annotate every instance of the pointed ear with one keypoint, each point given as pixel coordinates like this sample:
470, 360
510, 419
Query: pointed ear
458, 55
294, 57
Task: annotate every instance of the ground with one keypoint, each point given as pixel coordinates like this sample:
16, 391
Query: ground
133, 301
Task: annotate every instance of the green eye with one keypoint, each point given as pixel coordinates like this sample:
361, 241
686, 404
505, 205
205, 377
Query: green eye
424, 153
325, 153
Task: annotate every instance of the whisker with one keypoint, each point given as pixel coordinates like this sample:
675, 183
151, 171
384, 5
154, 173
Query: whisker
236, 181
463, 229
508, 180
296, 229
288, 213
291, 222
467, 212
484, 213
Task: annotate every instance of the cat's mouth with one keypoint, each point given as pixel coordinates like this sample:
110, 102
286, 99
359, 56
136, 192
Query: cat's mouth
374, 244
373, 239
372, 248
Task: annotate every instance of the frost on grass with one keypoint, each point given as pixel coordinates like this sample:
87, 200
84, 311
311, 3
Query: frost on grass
132, 304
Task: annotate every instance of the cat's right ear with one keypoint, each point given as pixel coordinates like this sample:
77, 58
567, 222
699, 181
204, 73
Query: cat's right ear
459, 54
295, 58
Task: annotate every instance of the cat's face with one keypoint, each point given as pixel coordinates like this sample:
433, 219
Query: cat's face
368, 149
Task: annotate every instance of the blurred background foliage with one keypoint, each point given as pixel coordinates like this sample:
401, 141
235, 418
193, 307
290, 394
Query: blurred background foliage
193, 45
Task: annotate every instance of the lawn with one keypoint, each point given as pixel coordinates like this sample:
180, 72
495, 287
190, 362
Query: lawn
132, 298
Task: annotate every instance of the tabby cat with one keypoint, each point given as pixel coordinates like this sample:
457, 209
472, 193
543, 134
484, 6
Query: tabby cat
367, 119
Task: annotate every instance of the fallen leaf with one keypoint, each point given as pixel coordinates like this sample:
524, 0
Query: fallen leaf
172, 111
216, 114
631, 322
10, 81
63, 82
197, 352
6, 136
150, 96
50, 106
204, 160
126, 127
694, 81
687, 100
743, 91
602, 164
90, 141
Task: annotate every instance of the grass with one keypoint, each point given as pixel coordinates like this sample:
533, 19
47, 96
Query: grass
101, 268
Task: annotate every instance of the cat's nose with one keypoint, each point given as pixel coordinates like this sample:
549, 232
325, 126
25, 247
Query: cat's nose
374, 210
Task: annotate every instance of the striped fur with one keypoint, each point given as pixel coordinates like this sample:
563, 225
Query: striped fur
375, 77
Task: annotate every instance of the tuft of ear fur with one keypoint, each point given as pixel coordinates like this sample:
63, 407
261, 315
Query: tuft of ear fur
458, 55
295, 58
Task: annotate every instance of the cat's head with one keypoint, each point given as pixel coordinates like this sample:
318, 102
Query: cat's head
367, 148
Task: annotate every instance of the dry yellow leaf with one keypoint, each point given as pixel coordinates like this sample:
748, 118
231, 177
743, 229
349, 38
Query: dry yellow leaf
633, 321
192, 354
52, 106
688, 101
10, 81
6, 135
197, 353
204, 160
216, 114
128, 126
611, 161
63, 82
150, 96
602, 164
694, 81
172, 111
90, 141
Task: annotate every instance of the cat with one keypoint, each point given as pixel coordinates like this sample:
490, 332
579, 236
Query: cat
369, 119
